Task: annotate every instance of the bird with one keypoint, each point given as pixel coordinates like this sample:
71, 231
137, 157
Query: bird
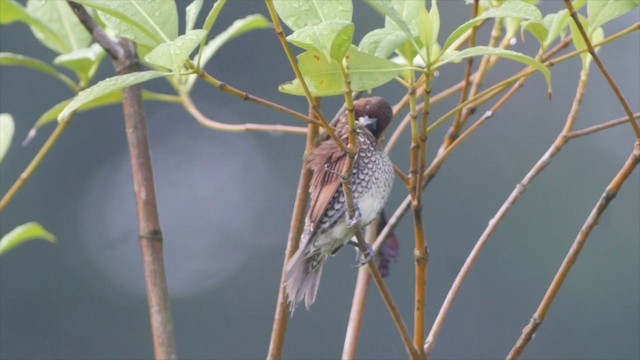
327, 225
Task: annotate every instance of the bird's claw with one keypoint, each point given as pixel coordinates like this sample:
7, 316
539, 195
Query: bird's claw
352, 223
363, 258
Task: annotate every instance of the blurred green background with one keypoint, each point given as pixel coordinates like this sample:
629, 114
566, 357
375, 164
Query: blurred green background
226, 199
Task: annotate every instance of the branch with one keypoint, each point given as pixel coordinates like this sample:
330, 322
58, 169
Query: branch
596, 213
188, 104
458, 122
35, 162
605, 72
281, 316
150, 235
294, 66
600, 127
359, 302
113, 49
251, 98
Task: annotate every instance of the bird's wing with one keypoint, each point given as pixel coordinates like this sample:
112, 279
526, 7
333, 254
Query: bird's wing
327, 162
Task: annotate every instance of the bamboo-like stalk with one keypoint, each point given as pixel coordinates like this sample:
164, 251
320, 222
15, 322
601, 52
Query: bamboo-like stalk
350, 210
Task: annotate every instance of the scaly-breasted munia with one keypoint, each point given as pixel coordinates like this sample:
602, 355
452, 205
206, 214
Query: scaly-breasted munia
327, 225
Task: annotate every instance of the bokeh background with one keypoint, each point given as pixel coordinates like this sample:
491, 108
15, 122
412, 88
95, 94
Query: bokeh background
226, 199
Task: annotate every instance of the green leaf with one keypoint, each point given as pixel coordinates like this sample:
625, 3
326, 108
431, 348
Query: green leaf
298, 14
424, 27
407, 15
330, 38
382, 42
7, 128
60, 19
148, 22
578, 41
517, 9
24, 233
108, 85
508, 54
556, 25
434, 13
172, 55
84, 62
325, 79
407, 10
237, 28
11, 11
11, 59
603, 11
191, 15
213, 14
111, 98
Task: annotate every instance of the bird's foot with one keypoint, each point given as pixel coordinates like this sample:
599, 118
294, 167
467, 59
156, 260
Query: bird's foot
362, 258
352, 223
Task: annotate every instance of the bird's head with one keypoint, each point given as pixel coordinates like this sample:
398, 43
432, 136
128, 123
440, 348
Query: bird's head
374, 114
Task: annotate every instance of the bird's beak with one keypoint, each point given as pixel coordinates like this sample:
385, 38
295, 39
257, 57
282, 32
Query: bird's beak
368, 122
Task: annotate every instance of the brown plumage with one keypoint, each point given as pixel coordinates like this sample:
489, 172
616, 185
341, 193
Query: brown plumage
326, 229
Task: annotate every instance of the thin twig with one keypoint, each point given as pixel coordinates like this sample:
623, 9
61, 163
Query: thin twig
440, 158
455, 287
596, 128
596, 213
251, 98
35, 162
188, 104
603, 69
458, 122
281, 316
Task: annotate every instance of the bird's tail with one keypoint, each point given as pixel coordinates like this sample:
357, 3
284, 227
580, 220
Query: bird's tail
303, 278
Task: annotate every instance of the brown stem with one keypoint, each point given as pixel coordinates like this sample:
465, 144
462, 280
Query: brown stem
281, 316
148, 220
150, 235
596, 213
